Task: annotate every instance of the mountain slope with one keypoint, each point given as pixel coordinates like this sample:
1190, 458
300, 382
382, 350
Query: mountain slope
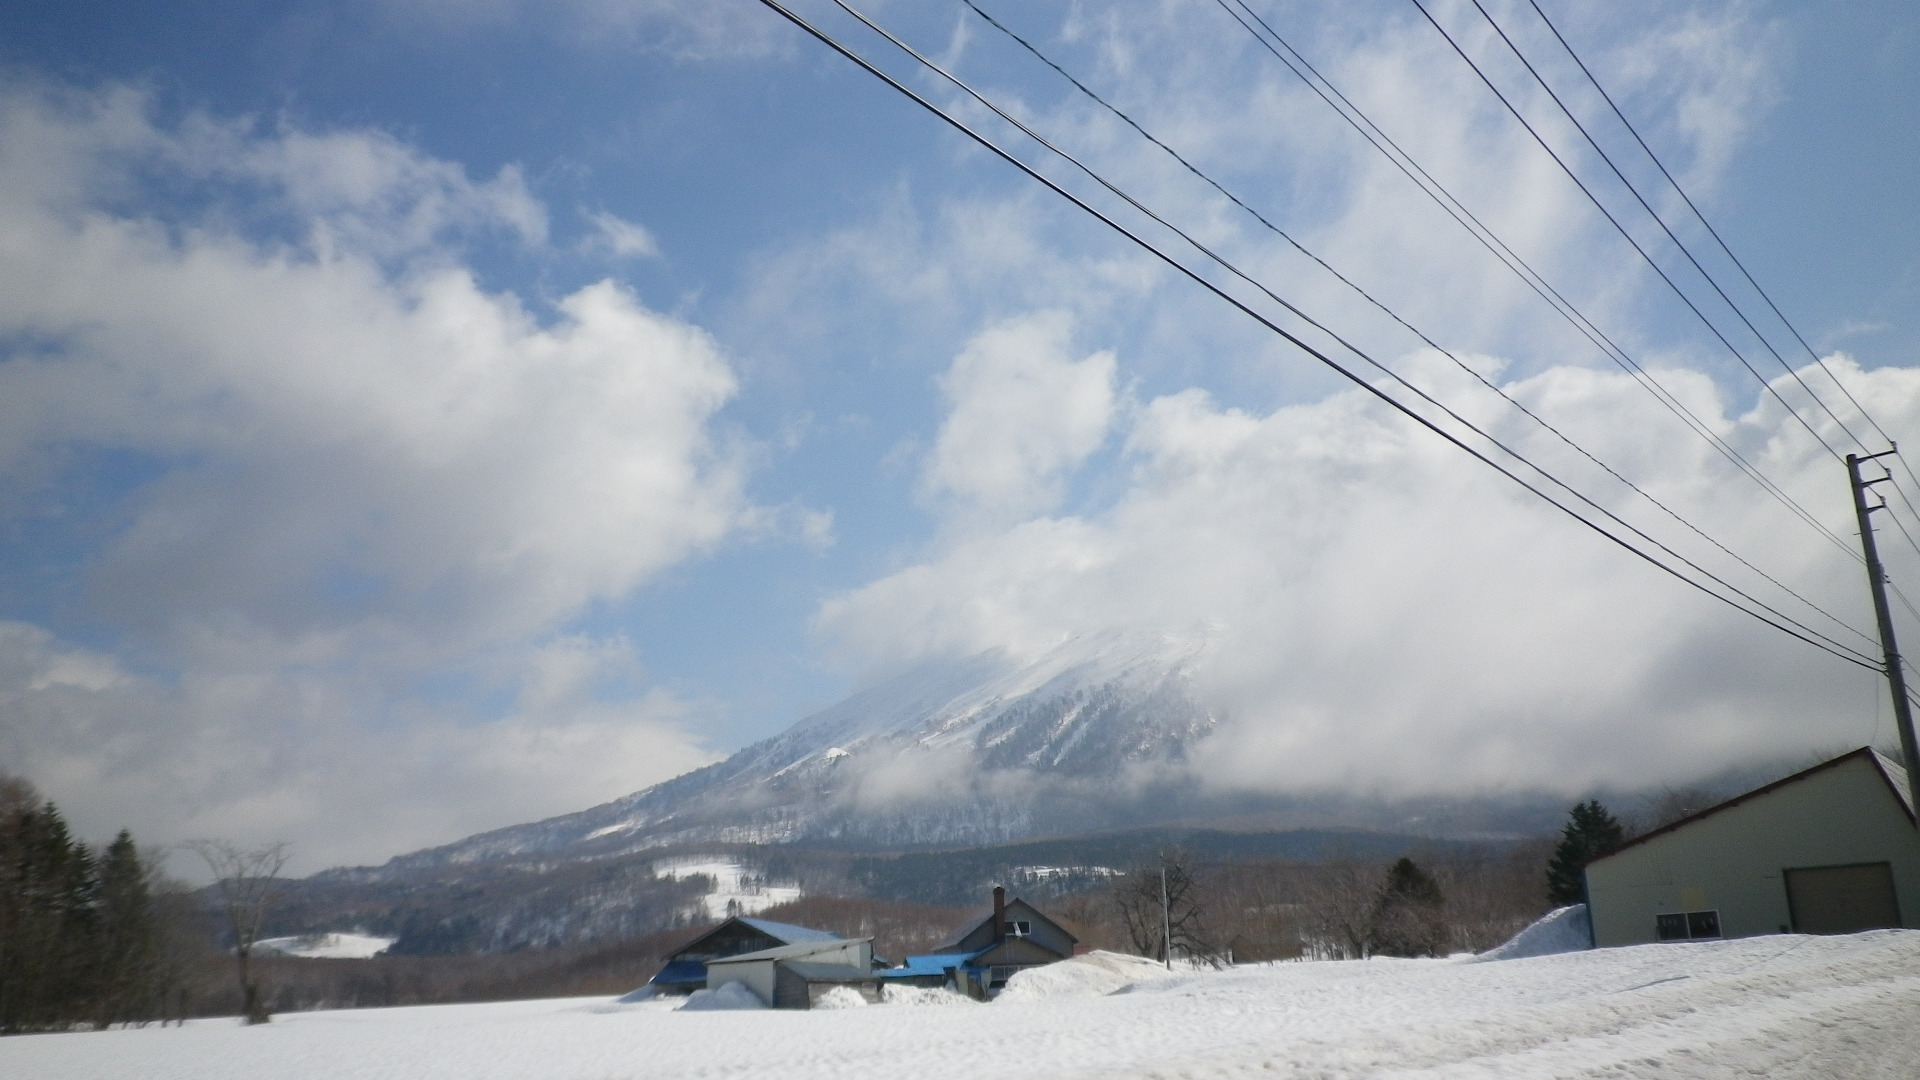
975, 751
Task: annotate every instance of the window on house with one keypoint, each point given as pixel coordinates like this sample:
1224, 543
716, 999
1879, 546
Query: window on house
1021, 928
1687, 925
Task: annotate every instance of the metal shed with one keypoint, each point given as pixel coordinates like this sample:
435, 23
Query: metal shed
794, 976
1829, 850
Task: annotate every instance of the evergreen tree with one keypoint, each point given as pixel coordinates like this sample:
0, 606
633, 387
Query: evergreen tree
1409, 915
128, 947
1590, 831
78, 935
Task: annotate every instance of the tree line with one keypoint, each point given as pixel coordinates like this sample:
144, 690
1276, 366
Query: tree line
1439, 903
81, 939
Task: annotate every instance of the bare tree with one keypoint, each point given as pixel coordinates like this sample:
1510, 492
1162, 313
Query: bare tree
1161, 905
1338, 899
245, 883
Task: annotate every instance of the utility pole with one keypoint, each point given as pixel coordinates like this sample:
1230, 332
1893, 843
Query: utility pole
1877, 579
1166, 916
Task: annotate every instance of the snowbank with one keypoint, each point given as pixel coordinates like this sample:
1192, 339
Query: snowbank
731, 995
1781, 1007
1562, 930
923, 995
840, 997
1090, 975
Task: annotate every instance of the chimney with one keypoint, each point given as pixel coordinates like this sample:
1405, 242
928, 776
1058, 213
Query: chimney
999, 913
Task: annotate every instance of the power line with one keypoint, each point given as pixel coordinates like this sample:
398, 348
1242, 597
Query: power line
1664, 227
1390, 313
1433, 189
1624, 233
1699, 215
1817, 640
1316, 324
1715, 233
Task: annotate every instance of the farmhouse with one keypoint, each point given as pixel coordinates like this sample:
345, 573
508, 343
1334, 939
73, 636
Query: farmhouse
984, 953
1831, 850
795, 976
686, 970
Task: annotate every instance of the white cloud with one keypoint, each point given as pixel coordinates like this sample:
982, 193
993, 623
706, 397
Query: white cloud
264, 755
363, 470
620, 238
331, 425
1392, 617
1021, 414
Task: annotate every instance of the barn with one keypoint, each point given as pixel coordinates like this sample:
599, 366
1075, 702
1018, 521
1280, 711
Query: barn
1830, 850
795, 976
686, 968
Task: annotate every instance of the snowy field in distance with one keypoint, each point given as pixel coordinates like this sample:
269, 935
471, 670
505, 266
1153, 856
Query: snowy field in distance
735, 892
326, 946
1775, 1007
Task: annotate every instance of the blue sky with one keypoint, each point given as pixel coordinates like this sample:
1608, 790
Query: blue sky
433, 415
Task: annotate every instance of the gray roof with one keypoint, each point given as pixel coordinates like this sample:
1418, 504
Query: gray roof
788, 952
1896, 775
814, 971
790, 933
973, 922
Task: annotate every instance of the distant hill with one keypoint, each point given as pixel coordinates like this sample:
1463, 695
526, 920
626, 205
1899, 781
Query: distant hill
927, 788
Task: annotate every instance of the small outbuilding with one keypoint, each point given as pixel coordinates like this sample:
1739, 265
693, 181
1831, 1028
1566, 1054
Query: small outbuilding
985, 952
1830, 850
796, 976
686, 968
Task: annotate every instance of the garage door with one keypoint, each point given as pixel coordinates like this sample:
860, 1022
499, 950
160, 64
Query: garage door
1842, 899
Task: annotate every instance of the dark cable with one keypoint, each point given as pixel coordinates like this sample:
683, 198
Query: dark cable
1715, 233
1433, 189
1833, 648
1622, 230
1664, 227
1390, 313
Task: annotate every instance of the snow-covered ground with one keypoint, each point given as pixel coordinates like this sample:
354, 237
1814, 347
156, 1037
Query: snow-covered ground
1775, 1007
326, 946
735, 891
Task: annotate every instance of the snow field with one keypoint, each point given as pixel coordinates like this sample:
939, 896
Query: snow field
326, 946
731, 893
1779, 1007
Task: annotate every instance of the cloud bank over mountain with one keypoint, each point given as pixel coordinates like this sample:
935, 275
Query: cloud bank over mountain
1383, 603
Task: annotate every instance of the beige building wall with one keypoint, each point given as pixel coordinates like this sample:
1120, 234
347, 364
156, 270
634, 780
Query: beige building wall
1732, 860
756, 974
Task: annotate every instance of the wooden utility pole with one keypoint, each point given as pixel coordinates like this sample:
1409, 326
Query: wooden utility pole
1166, 915
1877, 579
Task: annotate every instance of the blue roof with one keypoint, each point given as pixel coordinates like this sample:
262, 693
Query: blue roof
789, 933
932, 964
681, 971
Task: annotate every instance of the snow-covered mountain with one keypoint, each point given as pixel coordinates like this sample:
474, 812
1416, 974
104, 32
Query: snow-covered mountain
974, 751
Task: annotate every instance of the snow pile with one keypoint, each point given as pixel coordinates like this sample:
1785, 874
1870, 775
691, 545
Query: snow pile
326, 946
731, 995
1781, 1007
645, 993
922, 995
1562, 930
840, 997
1091, 975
